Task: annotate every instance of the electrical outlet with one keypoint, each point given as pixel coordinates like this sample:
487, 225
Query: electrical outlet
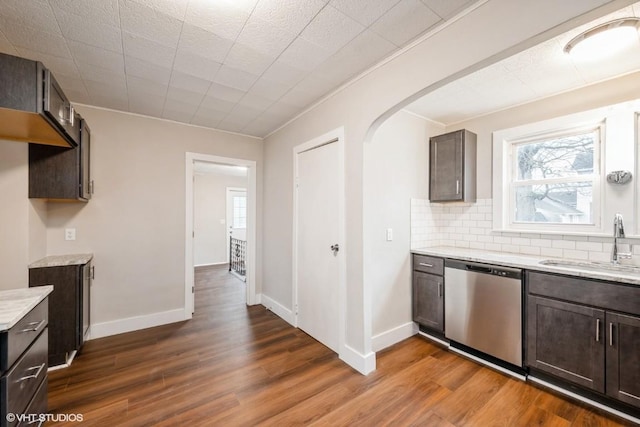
69, 234
389, 234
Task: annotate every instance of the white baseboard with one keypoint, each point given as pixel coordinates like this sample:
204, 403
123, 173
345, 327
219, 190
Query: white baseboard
393, 336
114, 327
211, 264
278, 309
365, 364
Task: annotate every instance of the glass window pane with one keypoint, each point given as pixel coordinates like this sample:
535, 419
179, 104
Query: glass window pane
559, 157
569, 203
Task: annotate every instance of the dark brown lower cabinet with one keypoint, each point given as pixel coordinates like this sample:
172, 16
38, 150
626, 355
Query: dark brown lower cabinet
428, 301
576, 331
623, 358
566, 340
69, 313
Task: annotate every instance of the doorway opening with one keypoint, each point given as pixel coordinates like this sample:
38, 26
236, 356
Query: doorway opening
207, 232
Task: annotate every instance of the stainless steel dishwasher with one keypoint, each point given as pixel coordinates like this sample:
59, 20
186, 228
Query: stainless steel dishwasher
483, 308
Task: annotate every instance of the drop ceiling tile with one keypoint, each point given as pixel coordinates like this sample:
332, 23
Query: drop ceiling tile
284, 74
106, 90
105, 12
91, 55
304, 55
59, 66
174, 8
139, 87
619, 63
281, 111
207, 117
268, 89
147, 50
361, 53
70, 83
148, 106
78, 28
217, 104
97, 74
149, 23
293, 15
247, 59
235, 78
225, 93
447, 8
77, 96
188, 82
366, 12
405, 21
204, 43
220, 18
243, 114
255, 101
549, 51
305, 92
331, 29
182, 113
196, 65
135, 67
36, 14
21, 36
232, 127
185, 96
265, 37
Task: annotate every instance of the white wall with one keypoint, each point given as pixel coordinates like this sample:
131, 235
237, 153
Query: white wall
209, 209
135, 222
396, 169
496, 29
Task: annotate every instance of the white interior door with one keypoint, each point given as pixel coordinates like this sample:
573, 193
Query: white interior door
317, 230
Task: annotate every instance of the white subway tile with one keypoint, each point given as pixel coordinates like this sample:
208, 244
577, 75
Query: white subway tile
502, 240
461, 244
599, 256
477, 231
551, 252
469, 223
510, 248
529, 250
589, 246
476, 245
573, 254
563, 244
521, 241
486, 239
493, 247
541, 243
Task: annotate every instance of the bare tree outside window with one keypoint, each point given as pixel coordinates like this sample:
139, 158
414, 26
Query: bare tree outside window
554, 179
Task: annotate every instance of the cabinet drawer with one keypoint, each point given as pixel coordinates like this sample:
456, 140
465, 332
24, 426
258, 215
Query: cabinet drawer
22, 334
612, 296
428, 264
37, 407
20, 384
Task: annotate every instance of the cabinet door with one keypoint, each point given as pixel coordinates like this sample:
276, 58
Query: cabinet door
84, 301
566, 340
623, 358
63, 312
445, 167
428, 300
85, 169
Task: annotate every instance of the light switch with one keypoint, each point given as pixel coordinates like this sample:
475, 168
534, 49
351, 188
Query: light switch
389, 234
69, 234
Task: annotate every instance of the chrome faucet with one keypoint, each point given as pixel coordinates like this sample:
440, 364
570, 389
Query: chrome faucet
618, 233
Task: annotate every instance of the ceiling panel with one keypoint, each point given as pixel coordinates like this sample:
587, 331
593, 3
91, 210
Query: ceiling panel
251, 65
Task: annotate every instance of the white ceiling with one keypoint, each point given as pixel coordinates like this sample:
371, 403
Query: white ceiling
536, 73
243, 66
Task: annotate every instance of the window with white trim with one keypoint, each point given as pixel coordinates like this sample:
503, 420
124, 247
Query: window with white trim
240, 211
555, 178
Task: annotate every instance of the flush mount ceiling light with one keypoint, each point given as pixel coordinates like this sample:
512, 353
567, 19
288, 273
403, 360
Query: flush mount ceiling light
604, 39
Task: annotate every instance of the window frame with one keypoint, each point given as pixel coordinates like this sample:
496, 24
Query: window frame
595, 178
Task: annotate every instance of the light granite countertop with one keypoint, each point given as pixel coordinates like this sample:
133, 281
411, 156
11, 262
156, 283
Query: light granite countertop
16, 303
62, 260
527, 262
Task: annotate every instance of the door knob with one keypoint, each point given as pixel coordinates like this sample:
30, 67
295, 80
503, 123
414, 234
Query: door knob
335, 248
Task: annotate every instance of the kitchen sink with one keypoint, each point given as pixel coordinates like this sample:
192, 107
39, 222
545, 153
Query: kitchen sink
592, 265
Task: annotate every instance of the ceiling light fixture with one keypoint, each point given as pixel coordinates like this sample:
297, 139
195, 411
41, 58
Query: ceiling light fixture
604, 39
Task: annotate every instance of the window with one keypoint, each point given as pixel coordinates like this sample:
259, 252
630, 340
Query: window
239, 212
555, 178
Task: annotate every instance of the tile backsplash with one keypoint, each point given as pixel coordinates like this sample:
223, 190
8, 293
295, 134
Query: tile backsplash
469, 225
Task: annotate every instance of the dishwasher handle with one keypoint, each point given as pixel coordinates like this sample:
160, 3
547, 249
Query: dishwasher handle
495, 270
479, 268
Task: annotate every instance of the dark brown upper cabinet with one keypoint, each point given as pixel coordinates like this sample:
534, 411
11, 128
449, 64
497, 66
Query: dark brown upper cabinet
452, 167
62, 174
33, 107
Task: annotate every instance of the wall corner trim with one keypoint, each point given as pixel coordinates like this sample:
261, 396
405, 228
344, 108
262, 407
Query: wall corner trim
278, 309
363, 363
129, 324
393, 336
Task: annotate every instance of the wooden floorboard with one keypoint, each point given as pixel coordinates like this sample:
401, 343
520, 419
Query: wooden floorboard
233, 365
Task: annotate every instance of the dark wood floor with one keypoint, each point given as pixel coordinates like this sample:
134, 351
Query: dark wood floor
235, 365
